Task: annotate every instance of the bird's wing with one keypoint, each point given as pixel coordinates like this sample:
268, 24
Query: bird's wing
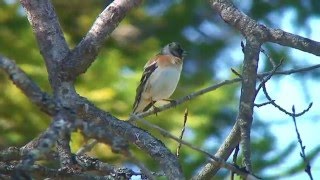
139, 105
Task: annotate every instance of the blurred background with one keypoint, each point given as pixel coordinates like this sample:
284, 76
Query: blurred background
213, 48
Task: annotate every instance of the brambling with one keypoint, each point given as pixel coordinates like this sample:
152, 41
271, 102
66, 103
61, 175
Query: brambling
160, 77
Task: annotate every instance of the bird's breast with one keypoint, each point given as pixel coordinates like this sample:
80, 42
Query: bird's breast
163, 82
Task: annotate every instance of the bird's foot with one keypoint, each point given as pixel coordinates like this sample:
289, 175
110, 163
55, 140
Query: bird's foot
156, 110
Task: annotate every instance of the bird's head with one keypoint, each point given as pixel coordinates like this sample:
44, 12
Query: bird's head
174, 49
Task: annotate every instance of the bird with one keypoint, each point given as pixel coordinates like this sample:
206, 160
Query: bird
160, 77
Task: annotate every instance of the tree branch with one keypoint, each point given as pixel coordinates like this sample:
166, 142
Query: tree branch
231, 15
302, 147
292, 40
247, 97
87, 163
291, 71
64, 151
251, 29
42, 172
86, 51
28, 86
46, 27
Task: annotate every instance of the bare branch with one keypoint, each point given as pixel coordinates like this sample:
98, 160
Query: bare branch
292, 71
268, 77
292, 40
224, 151
64, 151
282, 109
86, 51
262, 85
247, 97
269, 58
46, 27
86, 163
249, 28
12, 153
182, 131
236, 73
87, 147
42, 172
302, 147
263, 104
234, 160
28, 86
96, 130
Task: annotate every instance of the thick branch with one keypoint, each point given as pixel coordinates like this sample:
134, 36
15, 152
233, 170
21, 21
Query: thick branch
105, 122
42, 172
249, 27
86, 51
247, 97
46, 27
87, 164
64, 151
292, 40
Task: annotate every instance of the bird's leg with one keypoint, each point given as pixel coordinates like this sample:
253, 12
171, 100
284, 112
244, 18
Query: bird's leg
156, 109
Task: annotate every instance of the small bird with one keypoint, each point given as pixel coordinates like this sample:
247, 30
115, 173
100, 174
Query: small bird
160, 77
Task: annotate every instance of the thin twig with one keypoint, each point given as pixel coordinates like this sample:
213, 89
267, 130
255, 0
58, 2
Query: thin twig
282, 109
269, 58
263, 104
234, 160
87, 147
182, 131
236, 73
264, 80
302, 153
291, 71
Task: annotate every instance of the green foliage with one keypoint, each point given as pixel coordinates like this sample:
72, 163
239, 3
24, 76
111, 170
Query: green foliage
111, 80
